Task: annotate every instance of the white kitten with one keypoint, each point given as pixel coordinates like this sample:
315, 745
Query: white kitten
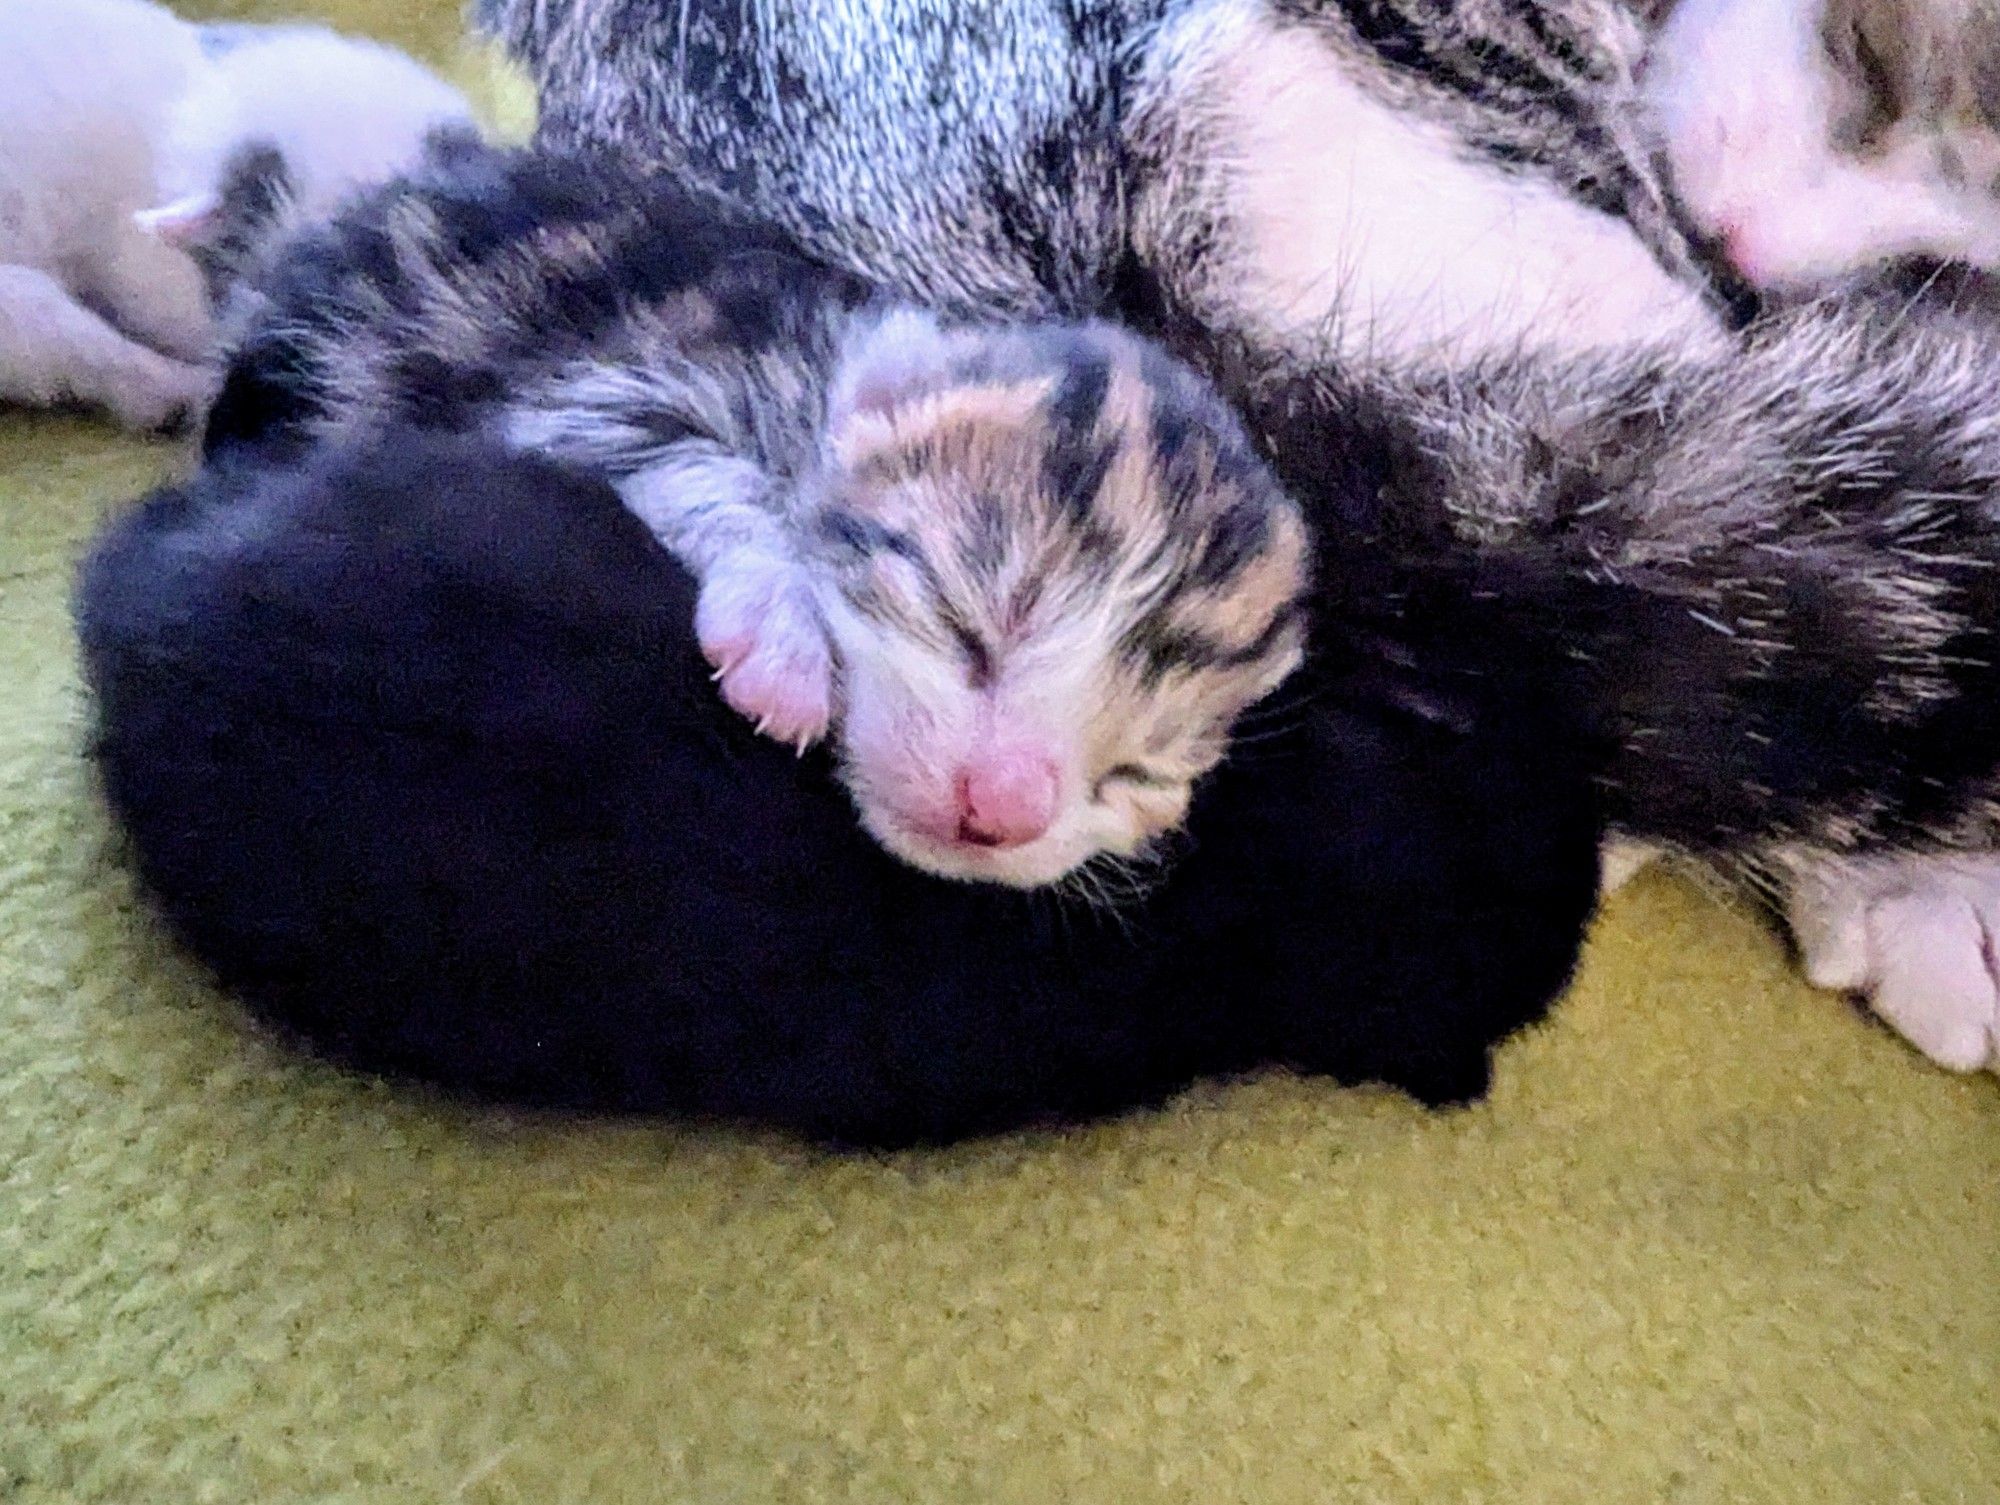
1811, 138
341, 112
118, 126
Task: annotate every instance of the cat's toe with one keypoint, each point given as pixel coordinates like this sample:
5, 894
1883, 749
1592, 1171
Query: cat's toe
160, 396
1919, 938
770, 652
1934, 977
786, 689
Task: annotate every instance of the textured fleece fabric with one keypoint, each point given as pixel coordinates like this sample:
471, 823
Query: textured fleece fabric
1713, 1238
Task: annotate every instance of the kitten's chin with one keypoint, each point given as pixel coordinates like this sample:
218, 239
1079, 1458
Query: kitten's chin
1020, 867
1036, 864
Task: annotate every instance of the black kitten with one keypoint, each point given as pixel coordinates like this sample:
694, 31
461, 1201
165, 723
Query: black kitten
416, 747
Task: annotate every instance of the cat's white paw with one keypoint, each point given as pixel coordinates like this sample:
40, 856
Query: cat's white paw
757, 624
150, 394
1919, 938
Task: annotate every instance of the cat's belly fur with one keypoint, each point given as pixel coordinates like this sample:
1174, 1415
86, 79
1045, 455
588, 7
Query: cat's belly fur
1354, 227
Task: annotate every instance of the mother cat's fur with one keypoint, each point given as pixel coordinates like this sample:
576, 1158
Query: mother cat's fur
1391, 196
1249, 161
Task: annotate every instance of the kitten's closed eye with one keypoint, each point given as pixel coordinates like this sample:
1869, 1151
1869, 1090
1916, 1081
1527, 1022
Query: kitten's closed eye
978, 657
862, 537
1129, 773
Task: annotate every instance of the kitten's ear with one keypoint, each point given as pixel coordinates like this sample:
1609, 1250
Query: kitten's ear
902, 355
183, 222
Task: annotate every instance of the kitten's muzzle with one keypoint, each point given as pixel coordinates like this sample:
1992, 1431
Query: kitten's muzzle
1006, 799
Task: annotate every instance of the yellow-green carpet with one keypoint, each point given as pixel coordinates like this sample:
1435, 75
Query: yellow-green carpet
1714, 1238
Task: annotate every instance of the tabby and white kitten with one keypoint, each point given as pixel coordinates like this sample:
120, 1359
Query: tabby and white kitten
1810, 138
1422, 184
1032, 572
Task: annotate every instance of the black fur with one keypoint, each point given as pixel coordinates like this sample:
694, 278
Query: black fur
414, 746
1769, 580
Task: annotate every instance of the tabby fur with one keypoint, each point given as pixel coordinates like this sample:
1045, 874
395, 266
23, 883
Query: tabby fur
1037, 553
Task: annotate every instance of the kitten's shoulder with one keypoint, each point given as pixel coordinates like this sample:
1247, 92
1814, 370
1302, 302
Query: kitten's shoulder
446, 283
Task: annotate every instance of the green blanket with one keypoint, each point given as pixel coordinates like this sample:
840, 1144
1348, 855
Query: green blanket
1714, 1237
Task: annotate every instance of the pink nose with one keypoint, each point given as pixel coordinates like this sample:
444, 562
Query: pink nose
1007, 799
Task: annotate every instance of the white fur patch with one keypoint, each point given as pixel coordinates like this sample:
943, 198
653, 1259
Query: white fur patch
53, 349
1620, 861
1745, 102
343, 112
1345, 204
1919, 938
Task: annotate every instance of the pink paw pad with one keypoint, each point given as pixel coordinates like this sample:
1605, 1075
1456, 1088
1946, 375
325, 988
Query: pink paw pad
760, 630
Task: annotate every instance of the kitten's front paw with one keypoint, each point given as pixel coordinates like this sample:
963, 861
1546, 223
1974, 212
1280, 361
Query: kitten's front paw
757, 624
1919, 937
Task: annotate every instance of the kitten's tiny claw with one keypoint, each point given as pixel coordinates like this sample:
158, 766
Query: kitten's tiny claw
758, 625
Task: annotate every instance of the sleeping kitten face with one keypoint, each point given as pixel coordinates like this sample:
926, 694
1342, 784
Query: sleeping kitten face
1054, 572
1816, 137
